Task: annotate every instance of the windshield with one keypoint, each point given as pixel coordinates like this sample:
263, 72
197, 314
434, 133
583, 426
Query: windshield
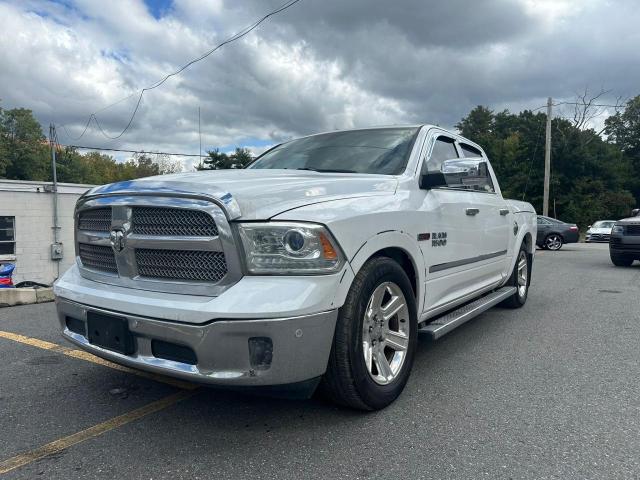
603, 224
381, 150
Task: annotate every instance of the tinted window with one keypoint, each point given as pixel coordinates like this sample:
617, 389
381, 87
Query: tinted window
381, 150
469, 151
443, 149
543, 221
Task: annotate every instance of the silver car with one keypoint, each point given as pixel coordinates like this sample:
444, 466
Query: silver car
600, 231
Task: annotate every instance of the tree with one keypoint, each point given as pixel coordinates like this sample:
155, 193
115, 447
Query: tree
241, 157
219, 160
623, 130
24, 151
590, 179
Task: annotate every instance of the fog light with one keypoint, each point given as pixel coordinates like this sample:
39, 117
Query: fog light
76, 325
260, 353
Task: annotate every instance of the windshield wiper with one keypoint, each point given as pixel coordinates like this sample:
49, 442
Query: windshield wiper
326, 170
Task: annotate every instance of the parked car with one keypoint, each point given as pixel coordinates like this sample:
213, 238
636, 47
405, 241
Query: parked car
600, 231
624, 246
316, 265
552, 233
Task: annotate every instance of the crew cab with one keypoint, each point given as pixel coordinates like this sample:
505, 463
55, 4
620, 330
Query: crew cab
624, 244
315, 266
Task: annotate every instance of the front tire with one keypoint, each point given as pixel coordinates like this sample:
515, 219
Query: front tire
621, 260
553, 242
375, 339
521, 279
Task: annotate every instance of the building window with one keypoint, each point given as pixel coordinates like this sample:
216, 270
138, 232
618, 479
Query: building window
7, 235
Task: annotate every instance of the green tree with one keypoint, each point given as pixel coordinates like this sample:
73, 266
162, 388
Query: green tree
219, 160
241, 157
623, 130
590, 177
24, 151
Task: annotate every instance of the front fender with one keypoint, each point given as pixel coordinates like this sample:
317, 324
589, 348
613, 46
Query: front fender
528, 226
380, 241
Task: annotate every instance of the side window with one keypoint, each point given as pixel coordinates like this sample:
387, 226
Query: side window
443, 149
543, 221
469, 152
7, 236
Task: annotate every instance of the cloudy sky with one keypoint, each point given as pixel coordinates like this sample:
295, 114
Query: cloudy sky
318, 66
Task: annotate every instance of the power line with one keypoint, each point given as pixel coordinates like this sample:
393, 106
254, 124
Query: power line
577, 103
233, 38
84, 147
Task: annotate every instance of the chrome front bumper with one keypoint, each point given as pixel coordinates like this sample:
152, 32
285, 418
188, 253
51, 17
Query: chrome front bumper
300, 346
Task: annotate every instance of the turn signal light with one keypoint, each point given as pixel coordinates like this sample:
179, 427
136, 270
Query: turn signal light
327, 249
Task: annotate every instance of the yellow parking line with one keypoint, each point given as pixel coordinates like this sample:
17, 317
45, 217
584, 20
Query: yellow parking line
82, 355
91, 432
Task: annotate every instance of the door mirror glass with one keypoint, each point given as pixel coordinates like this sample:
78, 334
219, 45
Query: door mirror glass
461, 173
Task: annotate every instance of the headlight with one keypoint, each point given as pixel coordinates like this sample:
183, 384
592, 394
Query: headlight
289, 248
617, 229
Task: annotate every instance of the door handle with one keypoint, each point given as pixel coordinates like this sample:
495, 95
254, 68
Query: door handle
472, 211
504, 211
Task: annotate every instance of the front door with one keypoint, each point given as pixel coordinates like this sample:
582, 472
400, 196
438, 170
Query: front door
452, 243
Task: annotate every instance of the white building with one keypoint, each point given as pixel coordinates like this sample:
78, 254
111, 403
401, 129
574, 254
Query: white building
27, 228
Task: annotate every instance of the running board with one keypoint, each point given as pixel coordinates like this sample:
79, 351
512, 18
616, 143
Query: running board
444, 324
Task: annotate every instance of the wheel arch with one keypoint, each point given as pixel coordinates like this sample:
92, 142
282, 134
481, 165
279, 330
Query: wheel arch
528, 242
398, 246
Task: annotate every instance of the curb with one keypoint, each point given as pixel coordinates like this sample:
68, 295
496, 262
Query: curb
10, 297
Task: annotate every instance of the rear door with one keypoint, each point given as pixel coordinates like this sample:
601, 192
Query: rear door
491, 222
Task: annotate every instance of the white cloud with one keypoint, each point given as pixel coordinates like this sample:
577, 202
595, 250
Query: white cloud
321, 65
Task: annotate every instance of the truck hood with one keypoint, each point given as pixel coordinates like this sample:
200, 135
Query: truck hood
629, 221
258, 194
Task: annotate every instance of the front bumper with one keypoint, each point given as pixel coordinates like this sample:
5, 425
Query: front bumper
301, 346
625, 245
597, 237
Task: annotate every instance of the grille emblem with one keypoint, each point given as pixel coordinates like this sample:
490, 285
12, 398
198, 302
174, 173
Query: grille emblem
117, 239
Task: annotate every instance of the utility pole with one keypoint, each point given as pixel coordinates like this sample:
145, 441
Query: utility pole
54, 175
547, 161
199, 136
56, 246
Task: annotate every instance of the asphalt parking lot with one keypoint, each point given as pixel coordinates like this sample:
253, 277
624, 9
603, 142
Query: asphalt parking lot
548, 391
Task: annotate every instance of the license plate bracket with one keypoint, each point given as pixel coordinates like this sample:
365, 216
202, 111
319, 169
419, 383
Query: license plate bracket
110, 332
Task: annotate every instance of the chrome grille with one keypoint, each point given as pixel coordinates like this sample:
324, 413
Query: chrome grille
181, 264
98, 257
95, 220
172, 222
162, 242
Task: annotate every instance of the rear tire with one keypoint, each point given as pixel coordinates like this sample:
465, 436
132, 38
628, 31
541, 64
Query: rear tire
521, 279
353, 379
621, 260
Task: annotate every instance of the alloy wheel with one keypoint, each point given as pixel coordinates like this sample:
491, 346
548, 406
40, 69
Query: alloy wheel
553, 242
523, 274
385, 333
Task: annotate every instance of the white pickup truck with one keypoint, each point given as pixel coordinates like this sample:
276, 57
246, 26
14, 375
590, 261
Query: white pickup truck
315, 266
